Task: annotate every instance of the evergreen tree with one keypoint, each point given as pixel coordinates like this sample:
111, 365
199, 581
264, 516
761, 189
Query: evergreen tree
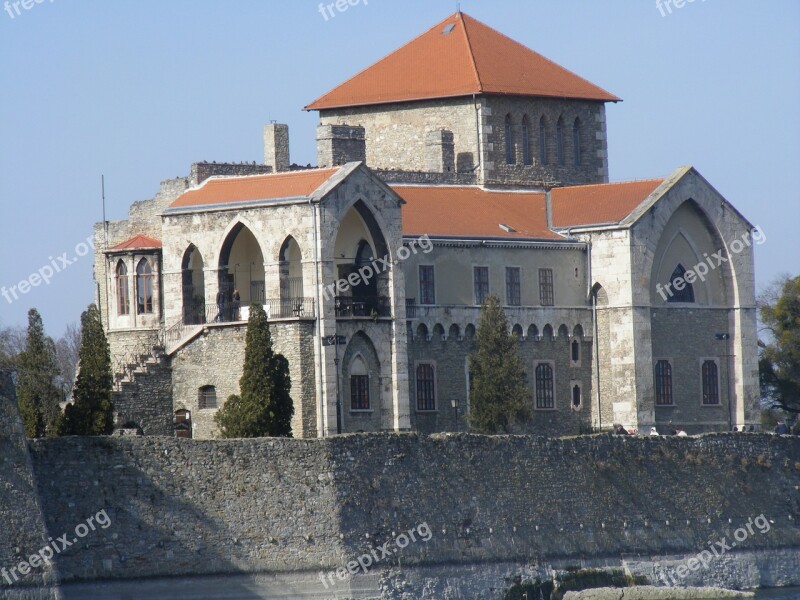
37, 369
499, 397
265, 406
93, 412
779, 364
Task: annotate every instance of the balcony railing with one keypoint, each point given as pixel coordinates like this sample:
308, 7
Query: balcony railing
233, 312
374, 307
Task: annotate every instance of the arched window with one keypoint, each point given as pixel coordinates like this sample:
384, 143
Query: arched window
527, 158
510, 154
359, 385
545, 397
123, 299
144, 288
542, 141
426, 387
207, 397
576, 142
710, 383
681, 290
663, 383
560, 141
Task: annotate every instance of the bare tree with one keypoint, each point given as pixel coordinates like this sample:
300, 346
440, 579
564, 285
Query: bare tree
12, 342
67, 348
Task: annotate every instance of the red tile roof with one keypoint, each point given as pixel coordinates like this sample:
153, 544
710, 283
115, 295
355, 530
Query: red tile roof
138, 242
471, 212
222, 190
471, 59
597, 204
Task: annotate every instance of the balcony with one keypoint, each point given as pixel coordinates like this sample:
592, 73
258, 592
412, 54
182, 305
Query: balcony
363, 307
233, 312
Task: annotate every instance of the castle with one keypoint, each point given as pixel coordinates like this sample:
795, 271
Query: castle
460, 165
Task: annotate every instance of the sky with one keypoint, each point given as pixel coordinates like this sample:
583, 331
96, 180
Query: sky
138, 90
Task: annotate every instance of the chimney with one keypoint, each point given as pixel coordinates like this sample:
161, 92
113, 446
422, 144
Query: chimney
276, 147
340, 144
440, 152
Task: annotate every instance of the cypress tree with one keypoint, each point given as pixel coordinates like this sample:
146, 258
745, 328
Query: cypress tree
37, 369
499, 397
93, 412
264, 408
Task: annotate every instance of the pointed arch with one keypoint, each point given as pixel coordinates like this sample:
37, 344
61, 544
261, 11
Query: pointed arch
511, 158
241, 269
123, 289
193, 286
144, 287
684, 293
547, 332
290, 266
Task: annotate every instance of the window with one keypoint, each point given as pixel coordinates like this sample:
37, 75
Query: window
144, 288
710, 383
546, 287
481, 278
545, 398
663, 383
576, 142
527, 158
427, 287
359, 385
543, 141
510, 158
575, 354
207, 397
123, 301
426, 388
686, 291
560, 142
513, 286
576, 396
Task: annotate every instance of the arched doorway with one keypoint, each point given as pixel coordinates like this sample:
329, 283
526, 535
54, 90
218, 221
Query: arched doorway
194, 287
291, 278
241, 269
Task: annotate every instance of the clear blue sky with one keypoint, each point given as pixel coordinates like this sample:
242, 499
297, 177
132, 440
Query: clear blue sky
138, 90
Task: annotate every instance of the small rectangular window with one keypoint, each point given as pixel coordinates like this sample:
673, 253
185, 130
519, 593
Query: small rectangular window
481, 278
513, 286
546, 287
359, 392
427, 286
207, 397
710, 383
663, 381
545, 389
426, 387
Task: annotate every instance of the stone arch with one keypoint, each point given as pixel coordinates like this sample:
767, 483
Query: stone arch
361, 360
290, 265
547, 332
454, 332
145, 287
533, 332
577, 332
438, 332
469, 331
193, 286
422, 332
563, 332
517, 331
240, 268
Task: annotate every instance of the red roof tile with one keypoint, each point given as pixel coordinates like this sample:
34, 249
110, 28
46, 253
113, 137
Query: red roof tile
138, 242
471, 212
256, 187
471, 59
597, 204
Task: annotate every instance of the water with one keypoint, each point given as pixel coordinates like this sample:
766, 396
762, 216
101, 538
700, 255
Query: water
243, 587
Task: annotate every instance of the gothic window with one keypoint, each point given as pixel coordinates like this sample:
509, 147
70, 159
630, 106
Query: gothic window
207, 397
576, 396
686, 291
560, 142
513, 286
545, 397
710, 383
427, 287
546, 287
527, 157
481, 280
123, 300
359, 385
542, 141
576, 142
663, 383
144, 288
510, 158
426, 387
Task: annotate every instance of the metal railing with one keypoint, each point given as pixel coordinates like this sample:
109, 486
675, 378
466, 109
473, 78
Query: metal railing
374, 307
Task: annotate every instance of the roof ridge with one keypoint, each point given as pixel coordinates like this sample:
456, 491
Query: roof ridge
471, 52
627, 181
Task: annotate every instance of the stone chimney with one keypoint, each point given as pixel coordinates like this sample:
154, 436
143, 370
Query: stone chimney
340, 144
276, 147
440, 152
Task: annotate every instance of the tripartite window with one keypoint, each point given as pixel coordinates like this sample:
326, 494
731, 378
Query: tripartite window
427, 288
207, 397
510, 158
663, 383
545, 397
683, 291
426, 387
513, 286
481, 279
710, 382
144, 288
546, 287
123, 300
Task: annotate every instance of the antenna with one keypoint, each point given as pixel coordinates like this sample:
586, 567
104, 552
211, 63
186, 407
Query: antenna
103, 194
458, 7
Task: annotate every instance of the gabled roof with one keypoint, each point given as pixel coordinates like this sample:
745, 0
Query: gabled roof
604, 203
460, 57
229, 190
137, 242
472, 212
